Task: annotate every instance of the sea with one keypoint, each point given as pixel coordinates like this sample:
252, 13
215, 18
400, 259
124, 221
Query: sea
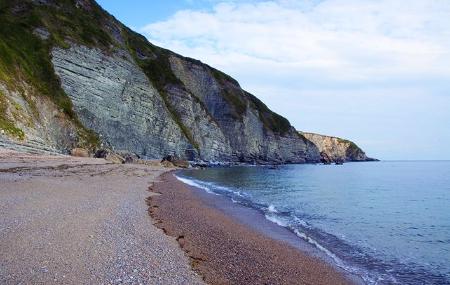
387, 222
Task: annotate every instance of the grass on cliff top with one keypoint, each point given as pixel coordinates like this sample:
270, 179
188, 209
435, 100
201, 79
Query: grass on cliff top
223, 77
350, 143
26, 58
233, 93
352, 149
271, 120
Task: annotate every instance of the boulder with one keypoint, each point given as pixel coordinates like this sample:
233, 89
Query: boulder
110, 156
79, 152
175, 161
115, 158
101, 153
129, 157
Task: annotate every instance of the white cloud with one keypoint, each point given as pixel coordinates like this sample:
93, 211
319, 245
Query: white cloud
340, 39
354, 60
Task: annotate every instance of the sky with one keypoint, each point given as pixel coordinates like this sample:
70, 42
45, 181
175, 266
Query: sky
375, 72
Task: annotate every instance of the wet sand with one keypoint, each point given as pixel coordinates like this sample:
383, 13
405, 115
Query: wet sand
226, 251
66, 220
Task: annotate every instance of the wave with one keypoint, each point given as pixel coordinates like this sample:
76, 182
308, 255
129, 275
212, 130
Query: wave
276, 220
212, 188
195, 184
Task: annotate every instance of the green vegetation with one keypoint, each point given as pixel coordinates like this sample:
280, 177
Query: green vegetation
154, 60
302, 137
238, 99
274, 122
88, 139
351, 144
223, 77
9, 128
352, 150
5, 123
24, 57
231, 92
155, 63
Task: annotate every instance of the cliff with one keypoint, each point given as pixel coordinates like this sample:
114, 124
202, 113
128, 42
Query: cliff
71, 75
333, 149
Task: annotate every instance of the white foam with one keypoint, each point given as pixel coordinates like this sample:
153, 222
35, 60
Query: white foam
273, 218
301, 222
276, 220
272, 209
195, 184
221, 187
320, 247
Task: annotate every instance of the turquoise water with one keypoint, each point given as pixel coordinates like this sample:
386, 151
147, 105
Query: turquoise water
388, 222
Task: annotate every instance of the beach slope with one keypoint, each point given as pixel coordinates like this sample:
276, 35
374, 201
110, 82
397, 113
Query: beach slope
66, 220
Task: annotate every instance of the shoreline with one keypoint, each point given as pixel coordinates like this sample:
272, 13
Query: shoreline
225, 249
257, 220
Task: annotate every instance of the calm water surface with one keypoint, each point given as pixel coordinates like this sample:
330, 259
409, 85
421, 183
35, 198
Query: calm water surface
388, 222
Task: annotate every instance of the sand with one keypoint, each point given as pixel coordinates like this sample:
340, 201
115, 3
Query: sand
225, 251
66, 220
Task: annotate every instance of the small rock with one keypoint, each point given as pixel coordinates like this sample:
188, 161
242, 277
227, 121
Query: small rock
110, 156
79, 152
42, 33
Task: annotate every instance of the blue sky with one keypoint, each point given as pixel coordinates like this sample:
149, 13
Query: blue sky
376, 72
138, 13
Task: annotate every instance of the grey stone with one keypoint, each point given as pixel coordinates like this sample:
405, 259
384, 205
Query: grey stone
42, 33
247, 138
113, 97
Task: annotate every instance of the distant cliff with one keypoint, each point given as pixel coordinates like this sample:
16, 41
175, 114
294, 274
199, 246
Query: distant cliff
71, 76
333, 149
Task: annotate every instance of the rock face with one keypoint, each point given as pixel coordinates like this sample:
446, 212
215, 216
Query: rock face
33, 122
244, 129
333, 149
96, 84
112, 96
